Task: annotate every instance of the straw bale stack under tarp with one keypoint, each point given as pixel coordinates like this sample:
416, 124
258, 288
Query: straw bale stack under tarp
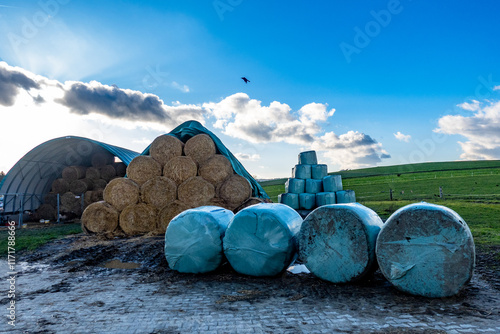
50, 198
60, 186
45, 211
120, 168
72, 173
165, 148
185, 169
108, 172
100, 184
71, 203
159, 192
102, 158
81, 186
121, 192
93, 173
180, 169
142, 168
138, 218
100, 217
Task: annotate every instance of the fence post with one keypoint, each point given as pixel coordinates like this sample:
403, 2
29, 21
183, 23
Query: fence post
58, 215
390, 193
441, 192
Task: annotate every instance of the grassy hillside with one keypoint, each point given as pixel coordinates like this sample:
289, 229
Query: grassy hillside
470, 188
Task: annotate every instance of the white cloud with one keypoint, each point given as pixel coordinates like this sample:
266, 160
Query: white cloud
482, 131
350, 150
474, 105
242, 117
402, 137
247, 157
182, 88
496, 88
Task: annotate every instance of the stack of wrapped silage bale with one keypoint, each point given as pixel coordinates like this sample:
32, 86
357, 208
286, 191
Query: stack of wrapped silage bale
310, 186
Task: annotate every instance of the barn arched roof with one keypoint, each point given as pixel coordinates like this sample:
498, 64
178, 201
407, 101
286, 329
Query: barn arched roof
34, 173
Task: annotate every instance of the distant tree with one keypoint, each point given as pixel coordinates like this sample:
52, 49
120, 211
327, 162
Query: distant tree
2, 174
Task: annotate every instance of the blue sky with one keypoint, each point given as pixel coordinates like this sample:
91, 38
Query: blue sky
364, 83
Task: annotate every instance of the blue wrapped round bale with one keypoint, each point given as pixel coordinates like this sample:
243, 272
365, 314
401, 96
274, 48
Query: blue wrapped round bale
292, 200
325, 198
301, 172
307, 201
308, 158
193, 240
295, 186
318, 172
345, 196
332, 183
314, 186
427, 250
337, 242
261, 239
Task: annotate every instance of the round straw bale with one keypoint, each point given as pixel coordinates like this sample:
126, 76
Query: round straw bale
169, 212
50, 198
143, 168
60, 186
72, 173
165, 147
216, 201
121, 192
92, 173
249, 202
100, 217
92, 196
216, 169
200, 148
196, 191
120, 168
108, 172
235, 190
159, 191
102, 158
180, 169
78, 186
71, 203
138, 219
100, 184
45, 211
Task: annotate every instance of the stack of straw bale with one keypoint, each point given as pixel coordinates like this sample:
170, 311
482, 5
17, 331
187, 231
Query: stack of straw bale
79, 186
174, 177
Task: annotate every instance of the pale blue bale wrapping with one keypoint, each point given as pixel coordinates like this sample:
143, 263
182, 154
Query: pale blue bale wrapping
325, 198
301, 172
337, 242
261, 239
193, 240
308, 158
427, 250
318, 172
307, 201
295, 186
332, 183
346, 196
314, 186
290, 199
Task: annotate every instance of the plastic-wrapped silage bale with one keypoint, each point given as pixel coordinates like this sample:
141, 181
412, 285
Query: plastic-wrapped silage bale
295, 186
290, 199
325, 198
332, 183
337, 242
345, 196
308, 158
193, 240
301, 172
318, 172
261, 239
307, 201
314, 186
427, 250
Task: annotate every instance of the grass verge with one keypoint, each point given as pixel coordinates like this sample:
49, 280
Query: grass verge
32, 238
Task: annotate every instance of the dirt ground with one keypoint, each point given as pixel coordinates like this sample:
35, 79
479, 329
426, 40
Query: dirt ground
374, 297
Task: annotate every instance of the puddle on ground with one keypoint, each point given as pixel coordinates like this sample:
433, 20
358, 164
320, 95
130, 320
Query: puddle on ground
117, 264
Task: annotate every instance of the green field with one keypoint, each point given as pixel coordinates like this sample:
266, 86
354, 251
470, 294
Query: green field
470, 188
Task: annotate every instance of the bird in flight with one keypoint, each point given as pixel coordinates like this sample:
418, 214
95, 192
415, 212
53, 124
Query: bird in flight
245, 79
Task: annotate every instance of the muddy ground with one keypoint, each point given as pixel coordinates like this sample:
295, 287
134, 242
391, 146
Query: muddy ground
144, 256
